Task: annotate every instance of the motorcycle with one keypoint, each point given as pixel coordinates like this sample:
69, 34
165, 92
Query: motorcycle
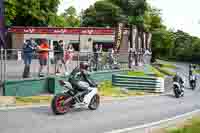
178, 90
83, 94
193, 82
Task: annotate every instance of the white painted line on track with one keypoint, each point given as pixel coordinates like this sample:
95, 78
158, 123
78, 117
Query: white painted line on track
153, 123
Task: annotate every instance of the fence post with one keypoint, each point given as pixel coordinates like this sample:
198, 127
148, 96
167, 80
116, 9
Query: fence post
48, 64
1, 80
5, 64
1, 56
19, 55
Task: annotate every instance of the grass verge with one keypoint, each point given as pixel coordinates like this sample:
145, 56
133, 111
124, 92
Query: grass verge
136, 73
165, 71
107, 89
165, 64
190, 126
157, 72
20, 101
197, 71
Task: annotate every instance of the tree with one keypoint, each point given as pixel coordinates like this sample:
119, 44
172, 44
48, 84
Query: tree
89, 17
58, 21
30, 12
71, 17
10, 11
101, 14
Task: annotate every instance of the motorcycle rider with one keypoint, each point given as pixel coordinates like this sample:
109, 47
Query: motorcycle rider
192, 77
81, 74
179, 80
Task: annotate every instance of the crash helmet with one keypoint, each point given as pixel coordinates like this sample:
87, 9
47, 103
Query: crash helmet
84, 65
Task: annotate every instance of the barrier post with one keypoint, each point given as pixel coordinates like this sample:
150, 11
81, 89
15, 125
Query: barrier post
5, 64
19, 55
1, 75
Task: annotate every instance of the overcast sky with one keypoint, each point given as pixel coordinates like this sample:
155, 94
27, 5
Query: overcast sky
177, 14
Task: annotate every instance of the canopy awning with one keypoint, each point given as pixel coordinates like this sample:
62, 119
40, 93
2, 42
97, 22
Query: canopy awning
74, 42
103, 41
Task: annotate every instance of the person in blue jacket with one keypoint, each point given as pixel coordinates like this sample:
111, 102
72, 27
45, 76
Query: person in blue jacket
28, 50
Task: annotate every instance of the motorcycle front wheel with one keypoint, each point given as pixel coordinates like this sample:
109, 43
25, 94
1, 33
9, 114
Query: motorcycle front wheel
58, 104
193, 86
176, 93
94, 103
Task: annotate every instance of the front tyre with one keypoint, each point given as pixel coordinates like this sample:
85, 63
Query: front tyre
94, 103
176, 93
193, 86
58, 104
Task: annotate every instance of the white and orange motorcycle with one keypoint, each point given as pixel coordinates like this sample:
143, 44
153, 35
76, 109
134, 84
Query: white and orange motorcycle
79, 91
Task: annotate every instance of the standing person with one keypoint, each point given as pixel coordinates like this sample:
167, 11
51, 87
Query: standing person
69, 57
100, 48
111, 57
96, 56
59, 56
130, 58
43, 50
28, 49
100, 56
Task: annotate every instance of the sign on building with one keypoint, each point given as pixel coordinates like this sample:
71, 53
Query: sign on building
119, 36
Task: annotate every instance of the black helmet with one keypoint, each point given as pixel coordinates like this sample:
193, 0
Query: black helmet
84, 65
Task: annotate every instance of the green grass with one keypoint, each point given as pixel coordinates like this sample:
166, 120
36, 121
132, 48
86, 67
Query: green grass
165, 71
106, 89
136, 73
33, 100
197, 71
192, 126
165, 64
168, 66
157, 72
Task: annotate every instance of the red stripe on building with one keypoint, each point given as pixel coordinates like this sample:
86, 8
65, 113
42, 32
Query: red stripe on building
47, 30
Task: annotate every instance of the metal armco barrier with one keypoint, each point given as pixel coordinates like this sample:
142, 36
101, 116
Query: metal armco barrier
139, 83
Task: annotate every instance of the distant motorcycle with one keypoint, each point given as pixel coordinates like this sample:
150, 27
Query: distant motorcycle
81, 94
178, 89
193, 82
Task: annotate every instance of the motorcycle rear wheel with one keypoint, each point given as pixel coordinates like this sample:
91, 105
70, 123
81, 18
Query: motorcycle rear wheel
58, 106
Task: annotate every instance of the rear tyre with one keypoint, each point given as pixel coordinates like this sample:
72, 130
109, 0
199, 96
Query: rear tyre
58, 106
94, 103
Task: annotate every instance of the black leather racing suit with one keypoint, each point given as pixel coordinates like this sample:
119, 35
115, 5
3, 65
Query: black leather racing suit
80, 75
